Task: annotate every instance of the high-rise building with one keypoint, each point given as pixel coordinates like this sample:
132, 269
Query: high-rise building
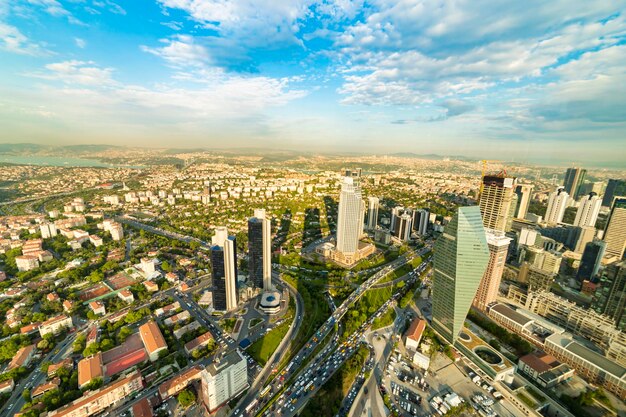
524, 194
349, 218
372, 212
260, 250
223, 380
396, 212
615, 231
574, 178
488, 289
557, 203
610, 297
496, 201
404, 227
224, 265
588, 210
614, 188
591, 260
461, 256
420, 221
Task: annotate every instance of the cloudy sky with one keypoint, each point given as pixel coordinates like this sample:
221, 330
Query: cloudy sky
530, 80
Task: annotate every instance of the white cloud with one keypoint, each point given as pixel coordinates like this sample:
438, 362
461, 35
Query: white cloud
76, 73
181, 51
12, 40
81, 43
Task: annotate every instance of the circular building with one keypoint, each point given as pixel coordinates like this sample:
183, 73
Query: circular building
270, 302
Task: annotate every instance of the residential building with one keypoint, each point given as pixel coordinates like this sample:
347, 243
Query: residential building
67, 363
48, 230
148, 266
151, 286
98, 308
496, 201
94, 402
373, 203
414, 334
22, 357
40, 390
179, 382
461, 255
199, 342
55, 325
260, 250
557, 203
349, 218
613, 189
224, 379
89, 369
152, 339
574, 178
591, 260
590, 365
524, 195
224, 265
490, 283
615, 231
126, 296
6, 387
142, 408
588, 210
610, 297
26, 262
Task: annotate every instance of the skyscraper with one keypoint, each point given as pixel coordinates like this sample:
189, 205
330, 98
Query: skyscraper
591, 260
490, 282
461, 255
588, 210
404, 227
613, 188
349, 217
524, 194
224, 265
420, 221
557, 203
615, 232
260, 250
574, 177
396, 212
372, 212
495, 202
610, 297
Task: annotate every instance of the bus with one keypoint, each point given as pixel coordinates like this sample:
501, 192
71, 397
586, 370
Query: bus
251, 406
265, 391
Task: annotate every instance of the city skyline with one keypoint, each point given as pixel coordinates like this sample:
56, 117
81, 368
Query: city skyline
529, 83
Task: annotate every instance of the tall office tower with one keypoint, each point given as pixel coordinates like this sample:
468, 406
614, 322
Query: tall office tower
396, 212
574, 177
524, 194
223, 379
349, 217
610, 297
224, 264
557, 203
372, 212
260, 250
420, 221
495, 201
591, 260
588, 210
615, 231
404, 227
490, 283
461, 256
613, 188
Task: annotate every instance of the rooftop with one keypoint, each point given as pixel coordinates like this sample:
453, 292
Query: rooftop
230, 359
89, 368
152, 337
511, 314
417, 328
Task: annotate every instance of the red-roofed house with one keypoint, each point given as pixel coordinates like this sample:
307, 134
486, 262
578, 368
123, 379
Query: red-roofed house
414, 334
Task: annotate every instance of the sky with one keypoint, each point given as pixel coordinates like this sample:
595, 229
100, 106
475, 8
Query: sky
530, 80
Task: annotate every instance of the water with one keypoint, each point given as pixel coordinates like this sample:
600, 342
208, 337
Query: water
58, 161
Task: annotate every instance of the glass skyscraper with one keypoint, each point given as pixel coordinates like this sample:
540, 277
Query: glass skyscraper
460, 259
259, 250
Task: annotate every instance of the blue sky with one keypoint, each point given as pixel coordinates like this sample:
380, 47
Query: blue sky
514, 80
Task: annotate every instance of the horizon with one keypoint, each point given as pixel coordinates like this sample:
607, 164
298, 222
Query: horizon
525, 82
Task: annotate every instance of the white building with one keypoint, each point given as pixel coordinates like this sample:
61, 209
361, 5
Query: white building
224, 379
588, 210
557, 203
350, 217
55, 325
48, 230
372, 212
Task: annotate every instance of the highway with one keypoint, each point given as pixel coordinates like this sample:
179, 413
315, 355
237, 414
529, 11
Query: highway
295, 364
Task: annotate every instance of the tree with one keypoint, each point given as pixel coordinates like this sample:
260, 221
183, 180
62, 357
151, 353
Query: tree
166, 266
186, 398
26, 395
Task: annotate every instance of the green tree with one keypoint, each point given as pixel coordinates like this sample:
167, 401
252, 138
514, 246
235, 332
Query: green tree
186, 398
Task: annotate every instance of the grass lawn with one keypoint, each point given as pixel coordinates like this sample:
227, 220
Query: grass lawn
254, 322
228, 324
384, 320
403, 270
262, 349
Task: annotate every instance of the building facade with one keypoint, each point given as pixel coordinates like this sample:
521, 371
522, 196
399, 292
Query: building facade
224, 379
420, 221
591, 260
496, 201
524, 195
460, 259
373, 203
615, 232
260, 250
588, 210
610, 297
557, 203
574, 178
349, 217
224, 265
490, 283
614, 188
